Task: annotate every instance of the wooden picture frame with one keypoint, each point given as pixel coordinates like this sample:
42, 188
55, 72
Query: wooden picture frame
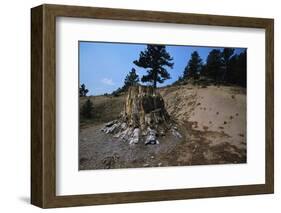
43, 105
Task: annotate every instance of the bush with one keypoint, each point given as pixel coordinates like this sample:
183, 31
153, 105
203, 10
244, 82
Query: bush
87, 109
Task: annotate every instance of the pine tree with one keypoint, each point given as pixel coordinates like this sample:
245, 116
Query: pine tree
242, 69
237, 72
214, 65
226, 55
83, 91
155, 58
194, 66
131, 79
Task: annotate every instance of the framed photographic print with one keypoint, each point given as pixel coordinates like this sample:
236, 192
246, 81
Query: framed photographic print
137, 106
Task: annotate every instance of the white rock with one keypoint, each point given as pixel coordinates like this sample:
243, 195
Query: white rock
126, 134
176, 133
135, 137
123, 126
151, 137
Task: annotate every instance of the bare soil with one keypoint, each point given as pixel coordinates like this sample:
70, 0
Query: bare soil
212, 121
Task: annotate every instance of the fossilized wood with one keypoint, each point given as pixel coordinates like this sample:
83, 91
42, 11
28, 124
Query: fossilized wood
144, 108
144, 118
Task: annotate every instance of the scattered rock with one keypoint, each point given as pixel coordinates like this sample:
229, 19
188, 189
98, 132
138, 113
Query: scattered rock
176, 133
217, 113
151, 137
109, 124
109, 161
144, 118
123, 126
195, 148
135, 138
162, 133
111, 127
146, 165
224, 122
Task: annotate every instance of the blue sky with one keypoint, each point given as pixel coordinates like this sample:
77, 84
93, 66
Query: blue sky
104, 66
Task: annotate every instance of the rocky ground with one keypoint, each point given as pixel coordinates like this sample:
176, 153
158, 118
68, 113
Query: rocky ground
212, 121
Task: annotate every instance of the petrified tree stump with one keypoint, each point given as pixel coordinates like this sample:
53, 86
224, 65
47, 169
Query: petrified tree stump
144, 117
144, 108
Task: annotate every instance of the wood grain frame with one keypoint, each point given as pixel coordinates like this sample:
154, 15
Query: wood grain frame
43, 105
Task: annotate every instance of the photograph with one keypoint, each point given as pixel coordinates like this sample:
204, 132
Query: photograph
147, 105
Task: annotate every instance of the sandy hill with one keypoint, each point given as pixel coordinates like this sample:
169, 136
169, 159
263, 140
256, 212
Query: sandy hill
211, 111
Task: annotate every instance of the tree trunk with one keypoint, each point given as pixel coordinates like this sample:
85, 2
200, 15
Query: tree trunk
154, 84
144, 107
155, 79
144, 117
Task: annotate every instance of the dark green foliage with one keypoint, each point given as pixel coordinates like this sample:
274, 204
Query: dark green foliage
221, 67
87, 109
83, 91
117, 92
131, 79
155, 59
214, 65
237, 72
226, 55
226, 67
194, 66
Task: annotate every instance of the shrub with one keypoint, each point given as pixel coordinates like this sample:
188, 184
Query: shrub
87, 109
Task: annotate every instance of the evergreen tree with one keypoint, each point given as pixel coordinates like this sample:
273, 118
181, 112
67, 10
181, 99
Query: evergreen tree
131, 79
226, 55
83, 91
117, 92
242, 69
155, 58
194, 66
214, 65
237, 72
87, 109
